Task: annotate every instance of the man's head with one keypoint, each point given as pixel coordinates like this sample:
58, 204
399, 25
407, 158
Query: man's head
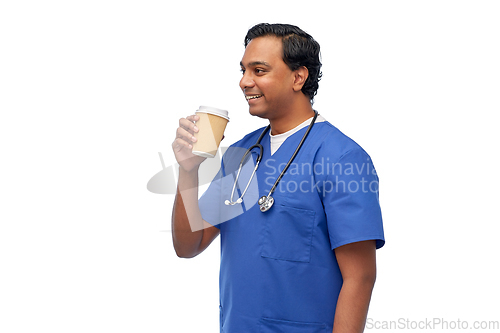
299, 49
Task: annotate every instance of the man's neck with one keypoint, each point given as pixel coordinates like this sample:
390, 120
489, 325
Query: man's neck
292, 118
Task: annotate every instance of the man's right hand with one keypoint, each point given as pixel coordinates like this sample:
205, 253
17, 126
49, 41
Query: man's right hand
183, 144
191, 235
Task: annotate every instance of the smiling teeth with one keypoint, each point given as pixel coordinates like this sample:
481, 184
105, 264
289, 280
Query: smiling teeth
253, 97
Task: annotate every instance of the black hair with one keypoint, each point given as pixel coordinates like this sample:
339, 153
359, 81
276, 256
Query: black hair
299, 49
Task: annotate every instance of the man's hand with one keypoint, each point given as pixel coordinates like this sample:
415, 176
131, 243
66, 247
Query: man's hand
183, 144
191, 235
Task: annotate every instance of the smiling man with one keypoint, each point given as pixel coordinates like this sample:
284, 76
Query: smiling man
272, 88
304, 263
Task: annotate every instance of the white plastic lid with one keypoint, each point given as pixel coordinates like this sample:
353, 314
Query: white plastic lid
215, 111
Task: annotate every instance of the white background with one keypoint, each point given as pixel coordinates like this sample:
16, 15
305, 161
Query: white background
91, 91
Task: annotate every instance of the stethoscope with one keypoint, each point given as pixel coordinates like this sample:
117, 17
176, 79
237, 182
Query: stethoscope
266, 201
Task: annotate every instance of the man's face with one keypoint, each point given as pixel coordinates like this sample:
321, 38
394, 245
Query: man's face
267, 81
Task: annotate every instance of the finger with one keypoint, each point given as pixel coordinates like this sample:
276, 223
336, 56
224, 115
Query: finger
185, 135
180, 144
193, 118
188, 124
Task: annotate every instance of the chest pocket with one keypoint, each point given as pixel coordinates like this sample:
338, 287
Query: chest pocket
288, 234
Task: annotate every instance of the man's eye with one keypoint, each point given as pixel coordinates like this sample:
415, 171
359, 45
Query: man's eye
259, 71
242, 70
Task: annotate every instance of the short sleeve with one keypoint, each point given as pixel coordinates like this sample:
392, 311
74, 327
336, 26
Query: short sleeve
350, 195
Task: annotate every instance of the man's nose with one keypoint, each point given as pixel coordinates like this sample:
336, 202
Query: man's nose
246, 82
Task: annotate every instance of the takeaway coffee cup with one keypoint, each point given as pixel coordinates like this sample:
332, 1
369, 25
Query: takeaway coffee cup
211, 125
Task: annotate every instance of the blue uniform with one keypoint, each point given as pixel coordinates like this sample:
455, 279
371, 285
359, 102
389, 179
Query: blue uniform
278, 269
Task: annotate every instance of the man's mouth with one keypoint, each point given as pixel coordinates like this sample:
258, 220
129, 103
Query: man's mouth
253, 97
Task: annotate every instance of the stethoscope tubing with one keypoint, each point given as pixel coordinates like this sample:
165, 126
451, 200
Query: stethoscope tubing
294, 154
266, 202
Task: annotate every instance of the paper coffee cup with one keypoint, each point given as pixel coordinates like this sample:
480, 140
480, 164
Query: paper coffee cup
211, 126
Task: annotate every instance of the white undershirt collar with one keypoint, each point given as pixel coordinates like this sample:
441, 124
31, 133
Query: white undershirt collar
278, 139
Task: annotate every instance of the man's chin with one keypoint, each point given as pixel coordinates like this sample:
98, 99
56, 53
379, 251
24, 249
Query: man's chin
257, 112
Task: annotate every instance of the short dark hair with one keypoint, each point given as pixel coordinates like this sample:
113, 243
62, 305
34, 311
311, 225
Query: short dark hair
299, 49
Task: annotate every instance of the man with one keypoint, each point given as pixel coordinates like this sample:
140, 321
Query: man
308, 263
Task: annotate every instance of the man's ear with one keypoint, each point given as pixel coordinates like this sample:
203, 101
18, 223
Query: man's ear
300, 78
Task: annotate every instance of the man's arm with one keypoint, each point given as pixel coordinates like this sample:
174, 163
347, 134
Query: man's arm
358, 267
186, 215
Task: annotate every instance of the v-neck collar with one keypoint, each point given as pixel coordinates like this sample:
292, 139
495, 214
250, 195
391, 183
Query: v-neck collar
280, 139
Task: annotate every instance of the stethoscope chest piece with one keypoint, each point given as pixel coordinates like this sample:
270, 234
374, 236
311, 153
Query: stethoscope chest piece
266, 202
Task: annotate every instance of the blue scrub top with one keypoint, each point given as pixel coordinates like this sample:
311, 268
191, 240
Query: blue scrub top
278, 269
